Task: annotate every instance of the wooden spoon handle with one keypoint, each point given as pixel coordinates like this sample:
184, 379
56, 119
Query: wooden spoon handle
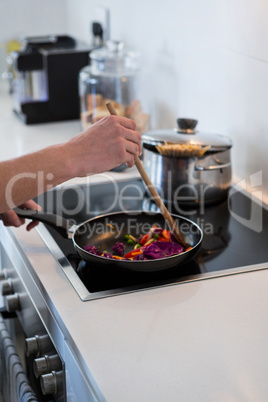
164, 211
168, 218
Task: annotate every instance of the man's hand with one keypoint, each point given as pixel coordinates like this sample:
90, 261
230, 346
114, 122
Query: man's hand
10, 218
103, 146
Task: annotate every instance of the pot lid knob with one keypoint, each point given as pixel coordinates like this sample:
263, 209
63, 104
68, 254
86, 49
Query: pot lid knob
187, 124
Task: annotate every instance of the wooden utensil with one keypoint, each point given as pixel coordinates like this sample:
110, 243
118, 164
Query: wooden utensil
168, 218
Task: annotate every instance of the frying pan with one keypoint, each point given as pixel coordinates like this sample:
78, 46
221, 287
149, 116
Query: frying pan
105, 230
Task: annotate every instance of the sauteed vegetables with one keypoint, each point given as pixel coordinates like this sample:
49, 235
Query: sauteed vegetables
157, 243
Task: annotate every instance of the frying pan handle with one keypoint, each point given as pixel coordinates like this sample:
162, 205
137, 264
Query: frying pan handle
58, 223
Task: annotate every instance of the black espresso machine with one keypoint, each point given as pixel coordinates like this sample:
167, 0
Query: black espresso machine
45, 78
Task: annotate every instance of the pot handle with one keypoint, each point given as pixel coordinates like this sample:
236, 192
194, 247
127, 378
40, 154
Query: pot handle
212, 167
57, 222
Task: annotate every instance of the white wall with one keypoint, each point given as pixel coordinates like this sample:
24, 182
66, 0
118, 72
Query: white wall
204, 59
19, 18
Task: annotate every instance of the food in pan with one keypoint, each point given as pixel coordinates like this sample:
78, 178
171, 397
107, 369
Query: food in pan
157, 243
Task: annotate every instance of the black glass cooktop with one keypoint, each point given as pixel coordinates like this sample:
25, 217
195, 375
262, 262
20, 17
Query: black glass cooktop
235, 237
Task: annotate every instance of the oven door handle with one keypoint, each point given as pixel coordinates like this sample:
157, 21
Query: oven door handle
17, 380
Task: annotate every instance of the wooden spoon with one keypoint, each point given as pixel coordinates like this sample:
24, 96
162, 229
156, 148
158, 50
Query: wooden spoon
168, 218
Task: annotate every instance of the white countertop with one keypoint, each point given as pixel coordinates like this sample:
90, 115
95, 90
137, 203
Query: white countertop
197, 341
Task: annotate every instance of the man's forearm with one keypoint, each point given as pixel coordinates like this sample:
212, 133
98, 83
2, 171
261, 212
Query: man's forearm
103, 146
27, 176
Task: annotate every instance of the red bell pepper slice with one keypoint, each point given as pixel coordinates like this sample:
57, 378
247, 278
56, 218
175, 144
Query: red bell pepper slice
134, 252
144, 239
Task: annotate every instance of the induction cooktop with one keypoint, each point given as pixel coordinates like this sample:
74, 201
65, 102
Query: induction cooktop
235, 238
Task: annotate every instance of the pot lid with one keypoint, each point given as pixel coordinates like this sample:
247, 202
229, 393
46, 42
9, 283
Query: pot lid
186, 133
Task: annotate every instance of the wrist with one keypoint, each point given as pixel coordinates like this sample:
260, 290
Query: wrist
60, 163
71, 162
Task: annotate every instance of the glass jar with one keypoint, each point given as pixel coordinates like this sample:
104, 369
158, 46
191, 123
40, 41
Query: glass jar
113, 75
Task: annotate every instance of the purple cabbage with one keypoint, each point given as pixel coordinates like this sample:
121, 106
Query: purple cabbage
155, 250
119, 249
139, 257
158, 231
107, 255
93, 250
160, 249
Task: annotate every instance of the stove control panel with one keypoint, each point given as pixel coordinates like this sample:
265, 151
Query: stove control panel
17, 291
46, 364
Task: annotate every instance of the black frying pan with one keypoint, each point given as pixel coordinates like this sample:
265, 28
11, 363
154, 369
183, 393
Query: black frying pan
98, 232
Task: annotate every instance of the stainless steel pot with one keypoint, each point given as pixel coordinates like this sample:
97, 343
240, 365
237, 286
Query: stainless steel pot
189, 180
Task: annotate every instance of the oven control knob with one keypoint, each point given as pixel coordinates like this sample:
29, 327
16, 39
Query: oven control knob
2, 275
46, 364
5, 273
13, 303
38, 345
52, 383
7, 287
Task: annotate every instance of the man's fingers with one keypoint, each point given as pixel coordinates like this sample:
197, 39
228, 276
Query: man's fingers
133, 149
10, 218
31, 205
123, 121
134, 137
31, 225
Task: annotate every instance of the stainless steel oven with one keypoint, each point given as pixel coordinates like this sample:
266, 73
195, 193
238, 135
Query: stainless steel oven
31, 366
